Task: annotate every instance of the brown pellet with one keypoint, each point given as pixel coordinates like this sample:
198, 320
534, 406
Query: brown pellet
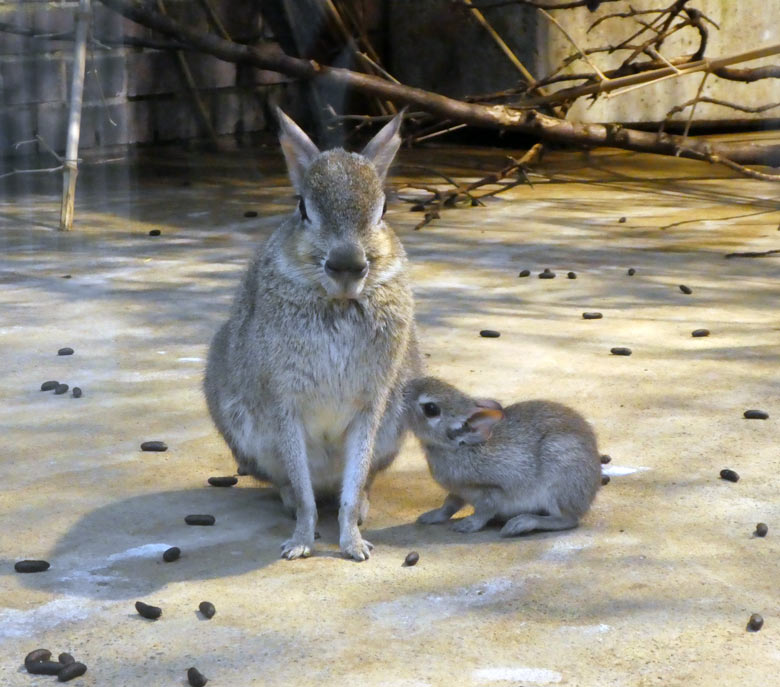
729, 475
620, 350
207, 608
172, 554
154, 232
755, 623
71, 671
489, 334
631, 271
76, 392
686, 289
200, 520
592, 316
697, 333
50, 385
411, 559
61, 389
606, 459
196, 678
147, 611
622, 220
66, 659
571, 275
604, 480
31, 566
44, 667
250, 213
756, 415
547, 274
65, 351
223, 481
524, 273
37, 655
761, 529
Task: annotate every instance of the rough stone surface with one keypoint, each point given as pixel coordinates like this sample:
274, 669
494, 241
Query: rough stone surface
654, 587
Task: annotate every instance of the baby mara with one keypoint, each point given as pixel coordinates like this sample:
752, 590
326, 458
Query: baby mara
532, 465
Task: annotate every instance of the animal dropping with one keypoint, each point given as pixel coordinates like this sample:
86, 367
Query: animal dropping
65, 351
154, 446
154, 232
547, 274
36, 656
76, 392
605, 479
592, 316
620, 350
207, 608
756, 415
61, 389
147, 611
697, 333
686, 289
755, 623
761, 529
31, 566
66, 658
50, 385
631, 272
204, 520
605, 459
489, 334
223, 481
196, 678
524, 273
571, 275
729, 475
71, 671
44, 667
172, 554
411, 559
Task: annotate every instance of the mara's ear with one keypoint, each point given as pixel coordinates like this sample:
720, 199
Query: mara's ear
382, 148
298, 149
488, 403
480, 425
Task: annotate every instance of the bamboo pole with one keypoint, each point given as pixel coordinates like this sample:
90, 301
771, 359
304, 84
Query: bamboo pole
70, 163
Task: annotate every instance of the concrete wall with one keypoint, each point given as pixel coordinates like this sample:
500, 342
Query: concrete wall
131, 94
437, 45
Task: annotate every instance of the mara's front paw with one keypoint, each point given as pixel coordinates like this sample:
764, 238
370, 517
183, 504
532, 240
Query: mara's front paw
466, 525
295, 548
357, 548
433, 517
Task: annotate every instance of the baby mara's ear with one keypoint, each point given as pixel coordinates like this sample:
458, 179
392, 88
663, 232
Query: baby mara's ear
382, 148
480, 424
299, 150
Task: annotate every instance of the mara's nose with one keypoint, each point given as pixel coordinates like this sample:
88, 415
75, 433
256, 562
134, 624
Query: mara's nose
347, 261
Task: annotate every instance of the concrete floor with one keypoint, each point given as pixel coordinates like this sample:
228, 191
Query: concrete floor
655, 587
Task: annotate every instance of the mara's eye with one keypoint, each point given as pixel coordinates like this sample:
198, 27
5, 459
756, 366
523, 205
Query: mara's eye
384, 208
302, 209
431, 410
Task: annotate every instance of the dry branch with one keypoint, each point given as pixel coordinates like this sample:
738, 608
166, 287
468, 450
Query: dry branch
546, 128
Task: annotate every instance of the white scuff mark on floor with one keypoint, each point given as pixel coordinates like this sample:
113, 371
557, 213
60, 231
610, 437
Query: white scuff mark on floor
561, 549
414, 613
16, 622
538, 676
620, 470
139, 552
190, 360
599, 629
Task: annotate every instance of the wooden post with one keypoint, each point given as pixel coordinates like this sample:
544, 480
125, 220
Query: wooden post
70, 163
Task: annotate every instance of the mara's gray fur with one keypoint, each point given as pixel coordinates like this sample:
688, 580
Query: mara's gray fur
305, 380
533, 465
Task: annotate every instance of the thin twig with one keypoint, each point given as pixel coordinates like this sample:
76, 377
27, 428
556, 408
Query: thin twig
571, 40
753, 254
693, 108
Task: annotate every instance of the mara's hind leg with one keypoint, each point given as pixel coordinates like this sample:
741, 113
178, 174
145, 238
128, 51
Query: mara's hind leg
528, 522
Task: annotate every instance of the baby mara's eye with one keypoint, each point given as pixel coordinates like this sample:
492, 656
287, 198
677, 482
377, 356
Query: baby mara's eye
302, 209
431, 410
